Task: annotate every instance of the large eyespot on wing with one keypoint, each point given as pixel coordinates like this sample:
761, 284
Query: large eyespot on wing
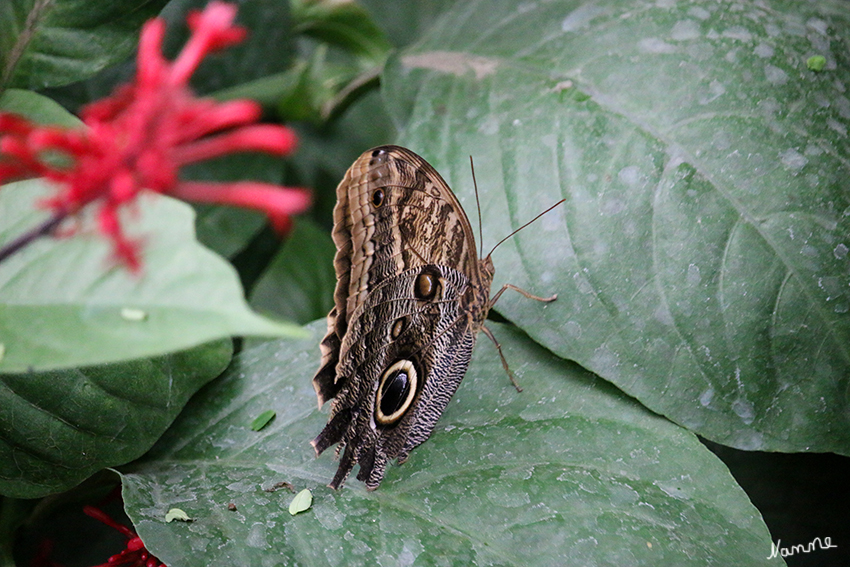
395, 392
429, 284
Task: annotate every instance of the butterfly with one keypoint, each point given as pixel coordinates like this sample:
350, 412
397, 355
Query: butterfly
411, 296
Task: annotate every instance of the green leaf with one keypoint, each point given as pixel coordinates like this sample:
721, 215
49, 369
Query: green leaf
176, 514
268, 48
404, 22
701, 259
324, 154
228, 230
299, 283
37, 108
816, 62
262, 420
346, 24
58, 427
569, 468
45, 44
61, 303
301, 502
308, 85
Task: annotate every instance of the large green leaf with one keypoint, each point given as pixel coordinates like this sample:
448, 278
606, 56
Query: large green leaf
325, 153
404, 22
63, 305
570, 471
45, 44
36, 108
299, 283
58, 427
228, 230
701, 258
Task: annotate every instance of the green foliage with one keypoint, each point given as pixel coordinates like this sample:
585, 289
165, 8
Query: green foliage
57, 427
46, 44
345, 24
36, 107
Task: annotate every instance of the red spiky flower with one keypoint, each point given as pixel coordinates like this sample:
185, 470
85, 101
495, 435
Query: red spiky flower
139, 137
135, 554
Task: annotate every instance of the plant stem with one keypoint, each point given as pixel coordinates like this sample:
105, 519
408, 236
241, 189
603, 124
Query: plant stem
44, 229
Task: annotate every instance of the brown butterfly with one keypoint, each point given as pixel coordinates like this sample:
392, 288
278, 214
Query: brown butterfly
411, 296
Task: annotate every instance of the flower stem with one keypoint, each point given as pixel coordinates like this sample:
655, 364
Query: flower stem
44, 229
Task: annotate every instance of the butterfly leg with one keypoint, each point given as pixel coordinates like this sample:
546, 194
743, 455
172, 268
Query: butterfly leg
490, 334
502, 356
523, 292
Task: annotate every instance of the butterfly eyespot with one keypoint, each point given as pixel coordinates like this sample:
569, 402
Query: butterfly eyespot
376, 153
427, 284
395, 392
398, 327
378, 197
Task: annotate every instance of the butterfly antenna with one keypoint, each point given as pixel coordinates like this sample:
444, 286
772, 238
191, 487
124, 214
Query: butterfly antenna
477, 204
523, 226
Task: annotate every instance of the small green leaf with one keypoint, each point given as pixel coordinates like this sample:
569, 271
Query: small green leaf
816, 62
130, 314
262, 420
177, 514
302, 502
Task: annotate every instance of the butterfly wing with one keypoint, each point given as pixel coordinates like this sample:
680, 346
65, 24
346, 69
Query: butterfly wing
410, 298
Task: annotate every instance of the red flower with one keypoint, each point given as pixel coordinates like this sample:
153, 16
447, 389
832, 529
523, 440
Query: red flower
135, 554
140, 136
